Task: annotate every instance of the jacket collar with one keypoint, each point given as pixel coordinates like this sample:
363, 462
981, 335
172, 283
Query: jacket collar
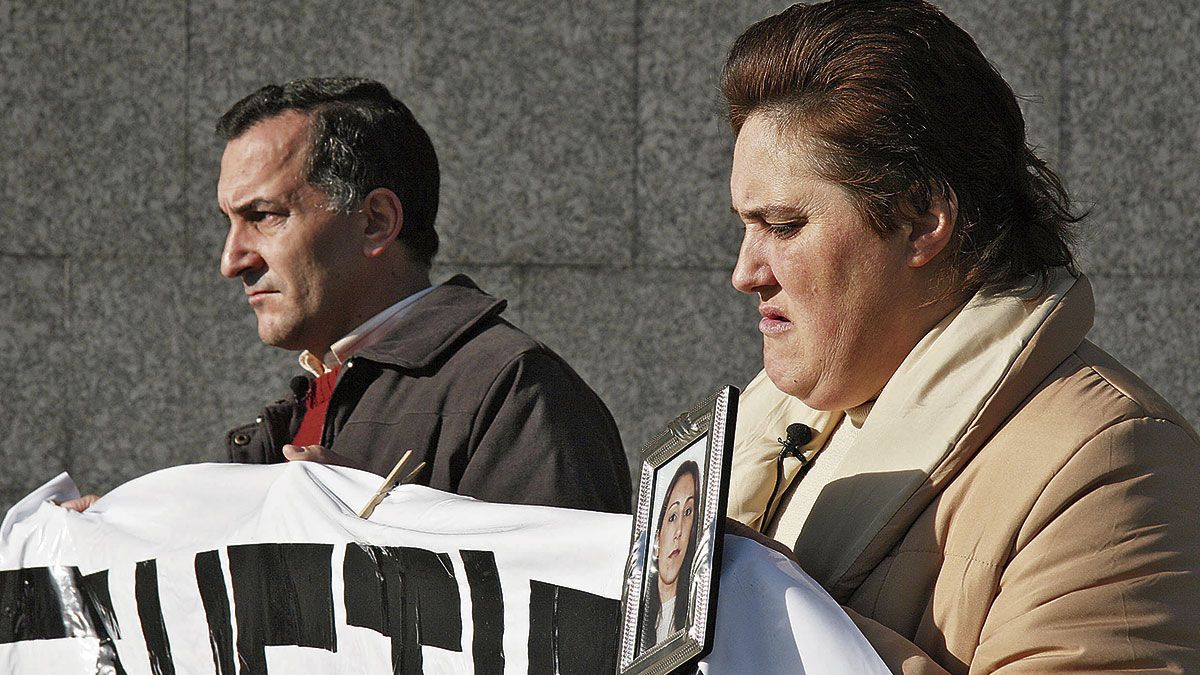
763, 415
434, 324
947, 398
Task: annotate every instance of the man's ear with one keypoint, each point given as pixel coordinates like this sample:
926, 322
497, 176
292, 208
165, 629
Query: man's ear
932, 230
384, 215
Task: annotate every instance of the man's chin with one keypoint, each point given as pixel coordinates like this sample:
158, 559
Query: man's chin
272, 336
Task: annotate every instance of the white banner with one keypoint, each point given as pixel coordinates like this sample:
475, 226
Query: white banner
223, 569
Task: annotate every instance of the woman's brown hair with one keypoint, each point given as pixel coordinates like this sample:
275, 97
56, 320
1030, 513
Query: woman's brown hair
901, 106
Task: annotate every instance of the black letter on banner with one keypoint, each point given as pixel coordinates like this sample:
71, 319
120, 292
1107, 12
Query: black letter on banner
100, 609
29, 606
487, 611
95, 589
375, 599
145, 589
211, 582
431, 576
571, 631
283, 596
407, 594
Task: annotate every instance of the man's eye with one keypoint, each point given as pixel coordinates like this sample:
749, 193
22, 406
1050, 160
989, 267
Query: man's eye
265, 220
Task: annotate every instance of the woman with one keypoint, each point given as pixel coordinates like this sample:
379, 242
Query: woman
670, 572
984, 489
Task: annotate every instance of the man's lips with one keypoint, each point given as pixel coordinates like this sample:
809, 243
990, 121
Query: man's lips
257, 295
773, 320
673, 553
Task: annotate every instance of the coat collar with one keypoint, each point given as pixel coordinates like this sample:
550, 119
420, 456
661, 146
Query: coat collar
434, 324
947, 398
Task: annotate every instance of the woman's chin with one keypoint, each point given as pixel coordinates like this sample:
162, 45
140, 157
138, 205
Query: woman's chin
667, 588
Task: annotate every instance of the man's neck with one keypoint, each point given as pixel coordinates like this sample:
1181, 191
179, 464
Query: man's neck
389, 293
369, 331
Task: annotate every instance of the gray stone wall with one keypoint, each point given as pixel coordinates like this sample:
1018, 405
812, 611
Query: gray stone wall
585, 178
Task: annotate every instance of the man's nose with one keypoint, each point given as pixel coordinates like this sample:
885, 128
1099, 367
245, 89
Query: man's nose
752, 271
239, 255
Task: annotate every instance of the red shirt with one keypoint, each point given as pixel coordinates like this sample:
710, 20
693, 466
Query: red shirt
316, 402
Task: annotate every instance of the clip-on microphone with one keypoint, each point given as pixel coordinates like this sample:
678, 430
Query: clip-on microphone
798, 435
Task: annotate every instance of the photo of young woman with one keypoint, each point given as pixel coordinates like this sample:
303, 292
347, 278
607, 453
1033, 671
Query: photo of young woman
673, 552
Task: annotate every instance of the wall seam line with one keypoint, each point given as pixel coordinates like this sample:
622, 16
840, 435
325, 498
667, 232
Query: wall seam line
68, 458
189, 224
1066, 9
635, 234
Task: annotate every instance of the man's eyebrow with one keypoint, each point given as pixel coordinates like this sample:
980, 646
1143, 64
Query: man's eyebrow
252, 205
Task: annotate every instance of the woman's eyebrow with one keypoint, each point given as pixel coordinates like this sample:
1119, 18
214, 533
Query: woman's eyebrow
769, 212
689, 499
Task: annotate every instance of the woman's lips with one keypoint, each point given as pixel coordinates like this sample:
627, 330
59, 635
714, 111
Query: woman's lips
773, 321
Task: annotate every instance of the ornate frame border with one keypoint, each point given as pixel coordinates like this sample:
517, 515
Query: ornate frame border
711, 420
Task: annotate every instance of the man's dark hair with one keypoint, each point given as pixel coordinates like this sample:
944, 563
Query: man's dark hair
901, 105
363, 138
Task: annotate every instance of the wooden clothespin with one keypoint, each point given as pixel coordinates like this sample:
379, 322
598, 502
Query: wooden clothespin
389, 483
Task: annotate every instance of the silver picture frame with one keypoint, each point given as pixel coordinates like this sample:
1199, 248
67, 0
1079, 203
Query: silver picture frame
673, 552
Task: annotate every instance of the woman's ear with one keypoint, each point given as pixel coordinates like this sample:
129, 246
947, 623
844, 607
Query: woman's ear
384, 216
932, 230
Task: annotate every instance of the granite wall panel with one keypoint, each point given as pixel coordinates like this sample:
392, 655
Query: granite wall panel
128, 387
1150, 325
1132, 155
31, 166
585, 178
122, 125
1135, 133
33, 427
531, 105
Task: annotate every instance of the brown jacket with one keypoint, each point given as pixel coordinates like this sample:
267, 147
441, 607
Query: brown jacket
1052, 524
494, 414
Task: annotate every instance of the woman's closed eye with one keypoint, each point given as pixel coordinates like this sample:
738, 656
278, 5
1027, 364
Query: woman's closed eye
784, 230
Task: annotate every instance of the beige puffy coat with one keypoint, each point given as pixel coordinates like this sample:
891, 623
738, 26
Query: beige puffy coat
1016, 501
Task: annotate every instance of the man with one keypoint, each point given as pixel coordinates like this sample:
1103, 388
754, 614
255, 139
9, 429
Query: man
331, 190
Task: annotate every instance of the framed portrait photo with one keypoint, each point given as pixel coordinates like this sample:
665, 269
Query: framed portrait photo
668, 605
